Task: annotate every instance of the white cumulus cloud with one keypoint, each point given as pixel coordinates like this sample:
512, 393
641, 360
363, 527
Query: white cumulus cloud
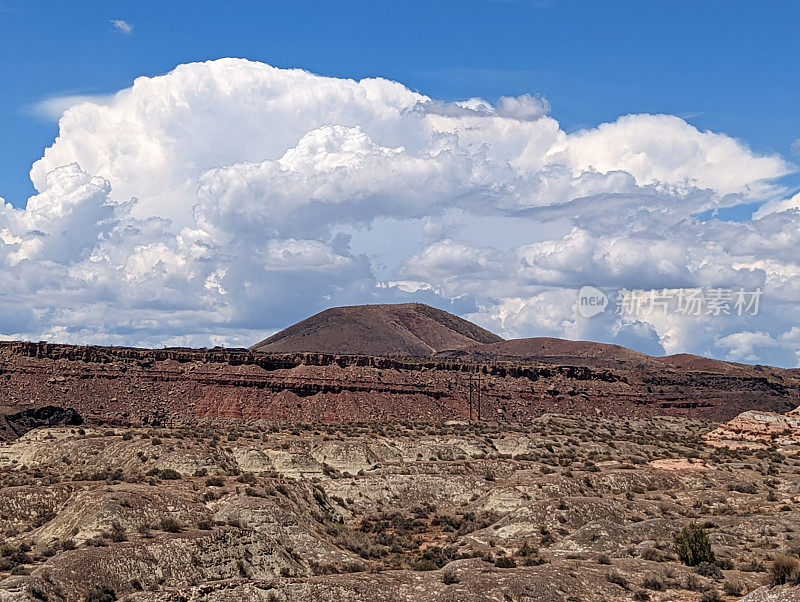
225, 199
53, 107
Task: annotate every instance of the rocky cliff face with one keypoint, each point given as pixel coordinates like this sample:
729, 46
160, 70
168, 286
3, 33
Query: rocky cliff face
19, 423
119, 386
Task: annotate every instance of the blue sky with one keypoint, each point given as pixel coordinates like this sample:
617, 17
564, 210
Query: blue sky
722, 65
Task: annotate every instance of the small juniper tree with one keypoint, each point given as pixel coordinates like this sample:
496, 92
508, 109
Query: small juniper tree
693, 546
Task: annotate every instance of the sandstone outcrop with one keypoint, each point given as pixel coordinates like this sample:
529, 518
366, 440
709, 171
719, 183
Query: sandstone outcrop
757, 429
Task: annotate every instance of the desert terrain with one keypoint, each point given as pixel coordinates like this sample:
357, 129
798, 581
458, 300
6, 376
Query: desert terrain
560, 508
311, 472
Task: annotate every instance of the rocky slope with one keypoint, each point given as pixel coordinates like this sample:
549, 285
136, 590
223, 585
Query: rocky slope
403, 330
559, 509
549, 351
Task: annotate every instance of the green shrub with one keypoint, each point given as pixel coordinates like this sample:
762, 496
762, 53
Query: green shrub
693, 546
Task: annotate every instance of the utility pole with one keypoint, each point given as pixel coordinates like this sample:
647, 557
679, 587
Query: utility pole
474, 394
479, 397
470, 397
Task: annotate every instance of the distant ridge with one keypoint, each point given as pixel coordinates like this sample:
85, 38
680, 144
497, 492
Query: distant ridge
403, 330
548, 350
418, 330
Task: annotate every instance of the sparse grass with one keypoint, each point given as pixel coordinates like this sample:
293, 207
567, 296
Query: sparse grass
711, 595
653, 582
505, 562
433, 558
100, 594
617, 578
785, 569
170, 525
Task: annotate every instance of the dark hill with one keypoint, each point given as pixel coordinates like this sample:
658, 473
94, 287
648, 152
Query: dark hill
405, 330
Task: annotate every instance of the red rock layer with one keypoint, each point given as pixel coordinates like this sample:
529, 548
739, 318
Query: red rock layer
116, 385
